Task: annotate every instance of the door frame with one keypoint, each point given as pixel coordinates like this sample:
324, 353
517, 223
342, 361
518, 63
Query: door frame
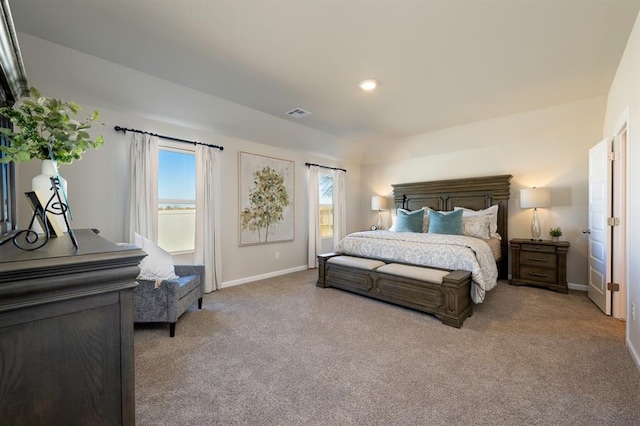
619, 265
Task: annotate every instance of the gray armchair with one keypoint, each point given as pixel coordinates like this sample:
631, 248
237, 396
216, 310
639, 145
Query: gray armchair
167, 302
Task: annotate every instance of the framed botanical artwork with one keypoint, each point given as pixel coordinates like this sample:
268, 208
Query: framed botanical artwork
266, 199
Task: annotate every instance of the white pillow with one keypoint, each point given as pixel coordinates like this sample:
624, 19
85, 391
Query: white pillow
157, 265
493, 211
393, 222
476, 226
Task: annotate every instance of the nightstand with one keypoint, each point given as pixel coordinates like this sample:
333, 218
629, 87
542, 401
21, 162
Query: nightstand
539, 263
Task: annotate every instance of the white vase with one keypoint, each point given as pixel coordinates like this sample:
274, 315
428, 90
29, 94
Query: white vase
42, 183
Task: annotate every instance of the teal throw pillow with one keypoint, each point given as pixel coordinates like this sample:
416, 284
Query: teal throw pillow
409, 221
445, 223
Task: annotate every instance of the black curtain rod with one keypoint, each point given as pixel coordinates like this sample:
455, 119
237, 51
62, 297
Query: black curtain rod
324, 167
124, 129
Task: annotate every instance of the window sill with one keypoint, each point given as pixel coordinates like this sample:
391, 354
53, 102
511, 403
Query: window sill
180, 253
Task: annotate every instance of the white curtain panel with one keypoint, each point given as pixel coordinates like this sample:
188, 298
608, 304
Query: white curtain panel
142, 204
315, 242
339, 207
208, 224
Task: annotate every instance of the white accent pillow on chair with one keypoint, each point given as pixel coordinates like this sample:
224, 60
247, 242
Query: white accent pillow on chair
157, 265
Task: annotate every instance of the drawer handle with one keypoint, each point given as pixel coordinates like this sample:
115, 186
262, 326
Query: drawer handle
538, 259
537, 274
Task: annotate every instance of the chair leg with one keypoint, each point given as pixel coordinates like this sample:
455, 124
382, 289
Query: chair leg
200, 303
172, 329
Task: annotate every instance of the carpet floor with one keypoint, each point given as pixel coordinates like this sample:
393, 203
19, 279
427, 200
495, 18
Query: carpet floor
284, 352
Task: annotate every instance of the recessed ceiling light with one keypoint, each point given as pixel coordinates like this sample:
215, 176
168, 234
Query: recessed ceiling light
369, 84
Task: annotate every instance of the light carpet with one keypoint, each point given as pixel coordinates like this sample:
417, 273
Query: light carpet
284, 352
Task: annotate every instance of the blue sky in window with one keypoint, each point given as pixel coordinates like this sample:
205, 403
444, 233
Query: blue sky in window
326, 188
176, 176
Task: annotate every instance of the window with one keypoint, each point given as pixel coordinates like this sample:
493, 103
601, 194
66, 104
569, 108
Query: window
176, 199
325, 181
7, 188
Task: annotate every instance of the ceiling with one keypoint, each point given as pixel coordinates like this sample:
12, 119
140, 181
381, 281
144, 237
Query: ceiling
441, 63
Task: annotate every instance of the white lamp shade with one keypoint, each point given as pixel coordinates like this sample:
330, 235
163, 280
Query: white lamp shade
378, 203
535, 197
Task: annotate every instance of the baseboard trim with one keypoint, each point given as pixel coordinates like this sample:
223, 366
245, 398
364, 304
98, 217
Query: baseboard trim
263, 276
579, 287
632, 351
572, 286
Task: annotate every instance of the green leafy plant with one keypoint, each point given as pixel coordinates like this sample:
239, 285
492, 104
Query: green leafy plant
555, 232
45, 129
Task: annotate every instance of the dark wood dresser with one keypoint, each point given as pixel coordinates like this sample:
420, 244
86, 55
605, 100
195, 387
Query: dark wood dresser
66, 332
539, 263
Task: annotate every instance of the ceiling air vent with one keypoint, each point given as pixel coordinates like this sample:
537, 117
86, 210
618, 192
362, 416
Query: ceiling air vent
298, 113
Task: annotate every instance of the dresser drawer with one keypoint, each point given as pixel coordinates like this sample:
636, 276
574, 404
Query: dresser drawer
538, 274
538, 259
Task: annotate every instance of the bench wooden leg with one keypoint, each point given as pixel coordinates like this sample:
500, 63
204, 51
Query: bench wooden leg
200, 303
172, 329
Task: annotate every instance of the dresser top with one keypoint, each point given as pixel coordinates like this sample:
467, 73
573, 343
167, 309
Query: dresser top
60, 255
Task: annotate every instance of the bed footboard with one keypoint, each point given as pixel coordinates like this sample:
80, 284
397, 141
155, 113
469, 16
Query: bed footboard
444, 294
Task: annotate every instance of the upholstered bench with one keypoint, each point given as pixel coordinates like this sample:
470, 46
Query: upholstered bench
357, 262
445, 294
353, 273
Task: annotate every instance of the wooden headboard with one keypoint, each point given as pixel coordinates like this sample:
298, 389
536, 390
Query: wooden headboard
473, 193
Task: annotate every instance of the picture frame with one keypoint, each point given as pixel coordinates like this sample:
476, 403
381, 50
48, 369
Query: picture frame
266, 198
45, 218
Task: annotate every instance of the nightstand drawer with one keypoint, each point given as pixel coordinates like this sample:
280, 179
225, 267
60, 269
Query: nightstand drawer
538, 274
538, 248
538, 259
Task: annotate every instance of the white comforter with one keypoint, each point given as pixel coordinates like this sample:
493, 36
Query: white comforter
441, 251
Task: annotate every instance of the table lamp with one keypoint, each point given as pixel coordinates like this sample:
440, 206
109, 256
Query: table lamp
378, 203
534, 198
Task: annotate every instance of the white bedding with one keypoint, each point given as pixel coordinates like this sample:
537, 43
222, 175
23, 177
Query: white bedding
437, 250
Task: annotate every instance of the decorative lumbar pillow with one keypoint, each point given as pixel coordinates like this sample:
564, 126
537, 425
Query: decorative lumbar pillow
445, 223
491, 211
157, 265
476, 226
407, 221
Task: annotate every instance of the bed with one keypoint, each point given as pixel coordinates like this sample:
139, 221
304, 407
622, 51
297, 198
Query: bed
452, 253
471, 193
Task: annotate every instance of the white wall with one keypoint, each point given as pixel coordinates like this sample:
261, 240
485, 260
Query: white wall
624, 94
543, 148
97, 183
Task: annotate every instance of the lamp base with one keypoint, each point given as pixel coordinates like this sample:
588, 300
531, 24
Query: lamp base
379, 224
536, 231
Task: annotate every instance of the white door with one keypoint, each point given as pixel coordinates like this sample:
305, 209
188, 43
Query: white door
599, 231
